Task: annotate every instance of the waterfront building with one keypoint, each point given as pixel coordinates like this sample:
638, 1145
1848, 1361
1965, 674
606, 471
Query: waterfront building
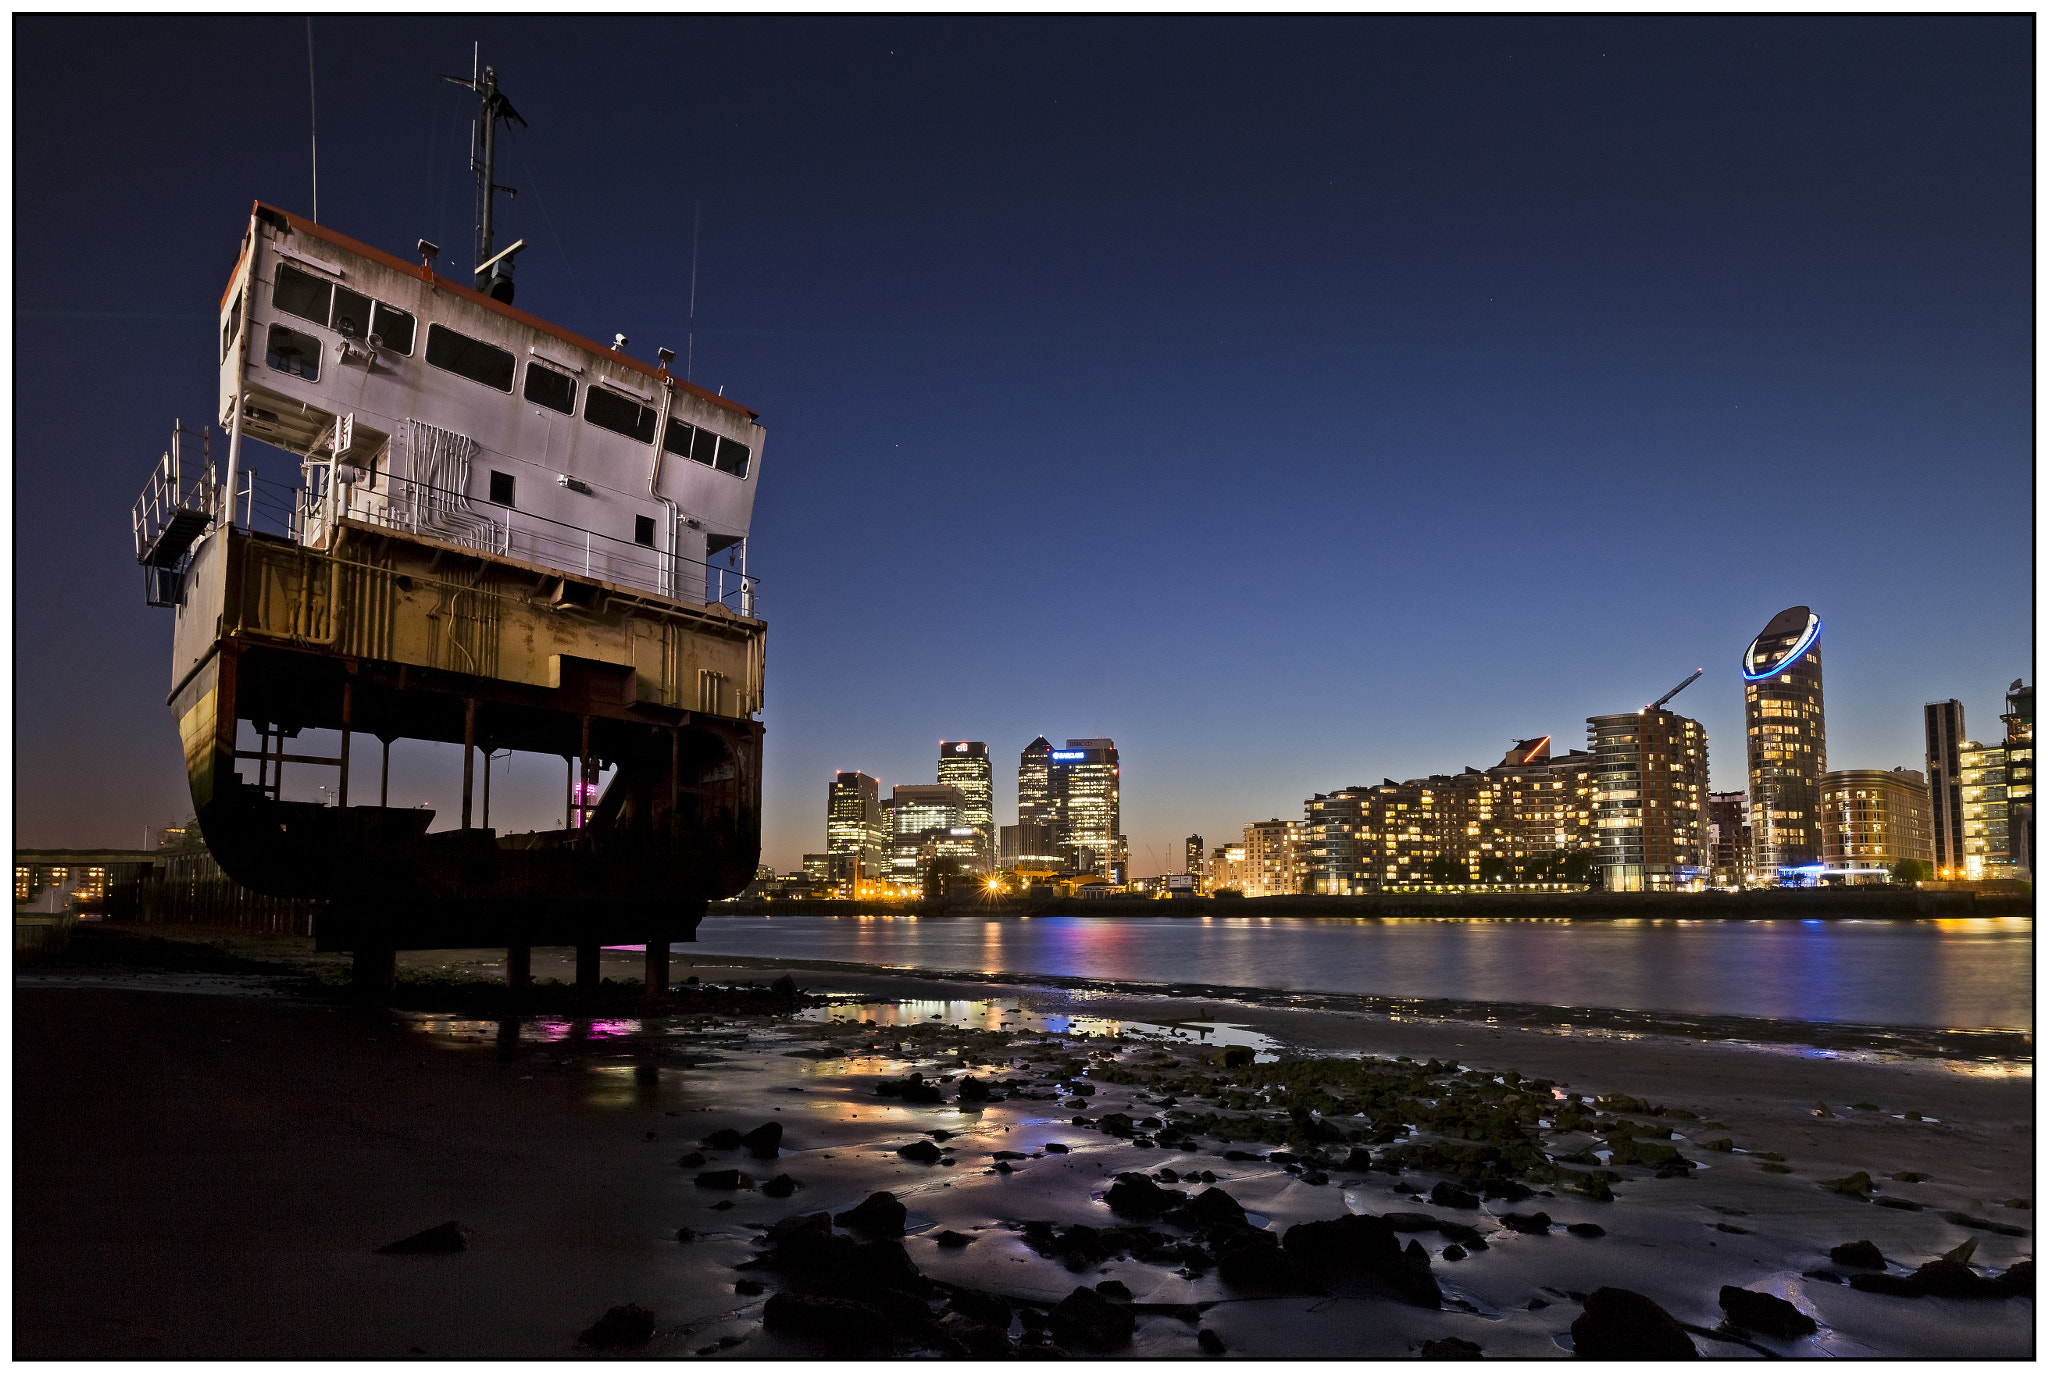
1226, 869
1034, 785
1786, 720
966, 765
1030, 848
1650, 781
1196, 863
922, 821
1945, 735
1727, 838
1270, 848
2019, 776
1085, 785
1870, 820
856, 829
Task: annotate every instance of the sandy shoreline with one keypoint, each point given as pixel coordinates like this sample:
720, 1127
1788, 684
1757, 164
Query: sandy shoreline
207, 1174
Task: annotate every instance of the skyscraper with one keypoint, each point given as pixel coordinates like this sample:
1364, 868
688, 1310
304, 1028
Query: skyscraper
924, 824
1788, 746
2019, 775
1945, 736
1086, 794
966, 766
1034, 785
1727, 838
1650, 784
1196, 855
856, 831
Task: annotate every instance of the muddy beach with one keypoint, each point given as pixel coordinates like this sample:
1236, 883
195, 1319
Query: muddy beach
208, 1161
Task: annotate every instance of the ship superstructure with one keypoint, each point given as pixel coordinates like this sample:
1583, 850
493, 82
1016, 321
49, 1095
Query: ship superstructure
508, 536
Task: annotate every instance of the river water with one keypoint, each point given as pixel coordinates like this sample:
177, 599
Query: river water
1947, 974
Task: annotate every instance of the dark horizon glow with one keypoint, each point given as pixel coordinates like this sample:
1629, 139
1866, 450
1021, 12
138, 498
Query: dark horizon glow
1295, 401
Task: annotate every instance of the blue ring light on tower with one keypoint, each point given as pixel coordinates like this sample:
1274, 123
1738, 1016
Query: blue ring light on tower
1807, 639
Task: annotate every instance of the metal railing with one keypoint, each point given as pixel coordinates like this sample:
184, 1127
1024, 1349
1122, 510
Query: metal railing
437, 513
172, 514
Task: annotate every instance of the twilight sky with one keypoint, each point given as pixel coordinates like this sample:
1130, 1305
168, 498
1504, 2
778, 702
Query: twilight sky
1297, 402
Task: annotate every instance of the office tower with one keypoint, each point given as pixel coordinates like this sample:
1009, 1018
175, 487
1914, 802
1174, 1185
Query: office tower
1271, 848
1085, 789
1031, 849
1945, 734
966, 766
2019, 776
1034, 785
856, 830
1650, 782
1788, 746
1870, 820
1727, 838
1195, 855
1987, 831
924, 825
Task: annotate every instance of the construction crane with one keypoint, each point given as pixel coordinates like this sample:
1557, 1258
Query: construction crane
1659, 702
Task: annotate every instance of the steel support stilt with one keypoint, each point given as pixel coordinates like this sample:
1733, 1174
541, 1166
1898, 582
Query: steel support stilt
587, 970
519, 967
657, 969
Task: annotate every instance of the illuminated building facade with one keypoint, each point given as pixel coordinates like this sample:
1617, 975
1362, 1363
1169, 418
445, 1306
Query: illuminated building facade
1086, 793
1786, 719
856, 829
965, 765
2019, 777
1197, 862
1226, 869
923, 821
1727, 838
1034, 785
1031, 848
1870, 820
1271, 850
1945, 736
1649, 790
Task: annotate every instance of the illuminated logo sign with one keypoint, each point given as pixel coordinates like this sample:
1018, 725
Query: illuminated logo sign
1068, 755
965, 831
1755, 670
959, 748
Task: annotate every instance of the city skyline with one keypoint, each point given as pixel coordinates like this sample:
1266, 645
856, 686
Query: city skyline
1487, 347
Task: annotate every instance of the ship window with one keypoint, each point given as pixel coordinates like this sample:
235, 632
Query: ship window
293, 352
468, 357
732, 457
501, 488
643, 530
677, 439
609, 410
351, 313
231, 330
545, 386
703, 446
393, 329
300, 294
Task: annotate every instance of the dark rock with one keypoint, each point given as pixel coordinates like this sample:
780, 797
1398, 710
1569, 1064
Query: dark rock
920, 1151
977, 1340
984, 1307
1620, 1324
1450, 1347
1407, 1222
685, 1235
2018, 1280
1950, 1278
918, 1092
1214, 1206
1504, 1189
1855, 1185
1316, 1179
1008, 1153
904, 1313
747, 1287
723, 1139
1118, 1124
834, 1321
880, 1214
1765, 1314
1086, 1317
1209, 1342
1885, 1285
1899, 1203
693, 1159
1823, 1275
442, 1239
1453, 1253
1458, 1233
783, 988
953, 1239
1237, 1056
1351, 1241
764, 1141
1585, 1229
725, 1180
1725, 1228
1444, 1194
1254, 1258
1857, 1254
1357, 1161
1240, 1156
1057, 1149
781, 1185
1113, 1290
1138, 1197
1281, 1157
973, 1089
1963, 1218
1536, 1223
622, 1327
722, 1206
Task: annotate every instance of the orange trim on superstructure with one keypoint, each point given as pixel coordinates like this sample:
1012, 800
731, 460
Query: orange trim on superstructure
248, 246
659, 374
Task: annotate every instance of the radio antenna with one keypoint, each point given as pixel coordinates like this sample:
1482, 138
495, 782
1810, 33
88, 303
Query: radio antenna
690, 355
313, 117
491, 108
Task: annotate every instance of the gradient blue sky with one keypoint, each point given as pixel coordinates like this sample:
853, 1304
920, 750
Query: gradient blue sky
1298, 402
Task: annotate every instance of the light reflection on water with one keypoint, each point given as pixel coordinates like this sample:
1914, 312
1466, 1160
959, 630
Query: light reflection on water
1964, 974
996, 1015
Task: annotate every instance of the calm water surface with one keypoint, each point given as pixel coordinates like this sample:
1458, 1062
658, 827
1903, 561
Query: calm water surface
1960, 974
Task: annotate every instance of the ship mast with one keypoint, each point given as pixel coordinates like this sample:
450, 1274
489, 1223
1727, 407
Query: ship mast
492, 106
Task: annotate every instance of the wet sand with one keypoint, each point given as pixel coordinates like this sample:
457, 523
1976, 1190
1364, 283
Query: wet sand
204, 1167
